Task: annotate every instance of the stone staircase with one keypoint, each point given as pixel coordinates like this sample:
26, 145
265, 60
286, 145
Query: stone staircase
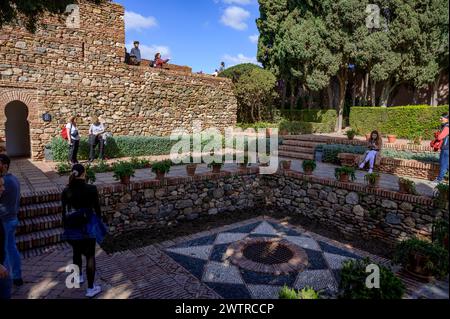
300, 146
40, 224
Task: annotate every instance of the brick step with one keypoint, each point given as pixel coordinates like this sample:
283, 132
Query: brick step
304, 144
41, 197
308, 138
297, 149
37, 210
39, 239
30, 225
296, 155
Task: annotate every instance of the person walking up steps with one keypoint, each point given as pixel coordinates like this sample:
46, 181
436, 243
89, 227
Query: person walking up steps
10, 202
82, 224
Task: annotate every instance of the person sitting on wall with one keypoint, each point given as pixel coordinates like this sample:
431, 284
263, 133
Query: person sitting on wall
96, 131
375, 145
135, 54
159, 62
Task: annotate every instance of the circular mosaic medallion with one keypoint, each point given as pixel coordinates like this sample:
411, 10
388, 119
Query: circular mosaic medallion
268, 255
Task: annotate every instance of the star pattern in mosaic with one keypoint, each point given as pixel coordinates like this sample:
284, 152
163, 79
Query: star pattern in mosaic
208, 259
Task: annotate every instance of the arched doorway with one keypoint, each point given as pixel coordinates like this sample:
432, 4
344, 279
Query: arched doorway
17, 130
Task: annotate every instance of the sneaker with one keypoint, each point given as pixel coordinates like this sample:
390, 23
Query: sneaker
361, 166
18, 282
92, 292
370, 171
81, 279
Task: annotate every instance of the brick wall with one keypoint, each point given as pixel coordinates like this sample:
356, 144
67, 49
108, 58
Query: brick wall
62, 71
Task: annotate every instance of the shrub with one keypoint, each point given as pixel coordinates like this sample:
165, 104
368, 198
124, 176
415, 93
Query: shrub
63, 168
296, 127
331, 152
288, 293
440, 232
351, 134
437, 256
353, 282
90, 176
140, 163
308, 293
257, 125
403, 121
326, 117
407, 185
309, 165
162, 167
422, 157
123, 169
101, 167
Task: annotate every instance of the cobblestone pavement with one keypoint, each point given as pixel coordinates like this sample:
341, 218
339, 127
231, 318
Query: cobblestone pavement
40, 176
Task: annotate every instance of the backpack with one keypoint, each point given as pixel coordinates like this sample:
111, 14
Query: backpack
64, 132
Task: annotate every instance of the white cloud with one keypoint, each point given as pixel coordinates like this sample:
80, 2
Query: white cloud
235, 18
254, 38
239, 2
148, 52
136, 21
240, 58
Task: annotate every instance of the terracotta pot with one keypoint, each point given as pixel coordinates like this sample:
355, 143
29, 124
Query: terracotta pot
268, 132
243, 166
403, 188
126, 180
308, 171
375, 184
416, 266
160, 175
216, 169
392, 139
344, 178
190, 169
286, 165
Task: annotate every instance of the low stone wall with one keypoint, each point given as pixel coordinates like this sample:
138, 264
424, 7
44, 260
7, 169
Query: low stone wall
355, 210
401, 167
153, 203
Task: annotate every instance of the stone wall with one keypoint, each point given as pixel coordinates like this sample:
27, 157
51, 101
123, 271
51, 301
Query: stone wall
354, 210
63, 71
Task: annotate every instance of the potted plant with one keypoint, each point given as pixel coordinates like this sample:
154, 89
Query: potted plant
264, 160
344, 174
216, 167
351, 134
90, 175
286, 165
422, 259
407, 186
191, 167
161, 168
392, 138
440, 233
309, 166
123, 171
244, 165
372, 179
442, 194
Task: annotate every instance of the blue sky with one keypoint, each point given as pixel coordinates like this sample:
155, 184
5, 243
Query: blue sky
197, 33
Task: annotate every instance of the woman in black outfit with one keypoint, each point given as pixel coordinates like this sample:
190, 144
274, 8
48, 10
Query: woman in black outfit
5, 280
82, 224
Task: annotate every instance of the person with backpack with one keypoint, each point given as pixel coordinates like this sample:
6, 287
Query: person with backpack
96, 131
442, 140
72, 136
82, 224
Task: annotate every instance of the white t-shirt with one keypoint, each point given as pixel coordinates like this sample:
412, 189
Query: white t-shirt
74, 134
96, 129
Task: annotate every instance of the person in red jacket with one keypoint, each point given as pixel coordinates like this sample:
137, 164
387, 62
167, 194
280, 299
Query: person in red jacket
443, 159
159, 62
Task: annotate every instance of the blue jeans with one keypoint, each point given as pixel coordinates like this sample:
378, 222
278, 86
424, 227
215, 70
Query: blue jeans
443, 161
12, 260
5, 288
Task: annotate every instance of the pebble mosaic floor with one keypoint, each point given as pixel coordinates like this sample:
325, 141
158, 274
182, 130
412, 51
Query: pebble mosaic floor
206, 258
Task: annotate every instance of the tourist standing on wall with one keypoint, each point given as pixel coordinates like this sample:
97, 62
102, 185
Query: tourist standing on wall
375, 145
159, 62
443, 137
73, 137
96, 131
82, 224
5, 280
135, 54
10, 202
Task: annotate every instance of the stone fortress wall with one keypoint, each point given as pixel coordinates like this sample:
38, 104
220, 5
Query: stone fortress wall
65, 68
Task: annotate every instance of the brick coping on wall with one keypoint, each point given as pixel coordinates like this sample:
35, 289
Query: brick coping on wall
55, 195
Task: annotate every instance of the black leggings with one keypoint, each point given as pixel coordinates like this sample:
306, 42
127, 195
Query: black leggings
85, 247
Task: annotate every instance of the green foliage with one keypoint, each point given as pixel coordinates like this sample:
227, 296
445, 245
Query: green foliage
351, 134
90, 176
440, 232
325, 117
235, 72
295, 127
101, 167
140, 163
63, 168
437, 263
309, 165
162, 167
403, 121
371, 178
288, 293
123, 169
258, 125
331, 151
308, 293
353, 282
345, 170
421, 157
408, 185
32, 10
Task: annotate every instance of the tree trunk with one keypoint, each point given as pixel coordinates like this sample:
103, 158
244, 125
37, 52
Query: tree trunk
435, 90
283, 94
373, 94
330, 95
366, 88
342, 91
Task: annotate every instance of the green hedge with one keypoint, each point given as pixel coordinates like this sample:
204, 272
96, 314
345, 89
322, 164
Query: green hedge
403, 121
327, 118
123, 146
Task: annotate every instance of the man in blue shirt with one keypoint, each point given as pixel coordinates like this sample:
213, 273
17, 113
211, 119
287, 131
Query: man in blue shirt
9, 210
135, 54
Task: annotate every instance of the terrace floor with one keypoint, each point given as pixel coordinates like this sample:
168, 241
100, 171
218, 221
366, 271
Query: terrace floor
198, 267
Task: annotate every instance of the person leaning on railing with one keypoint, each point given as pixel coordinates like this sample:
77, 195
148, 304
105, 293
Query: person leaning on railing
159, 62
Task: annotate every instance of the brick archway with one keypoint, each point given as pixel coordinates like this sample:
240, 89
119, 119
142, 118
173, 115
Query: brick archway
29, 99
